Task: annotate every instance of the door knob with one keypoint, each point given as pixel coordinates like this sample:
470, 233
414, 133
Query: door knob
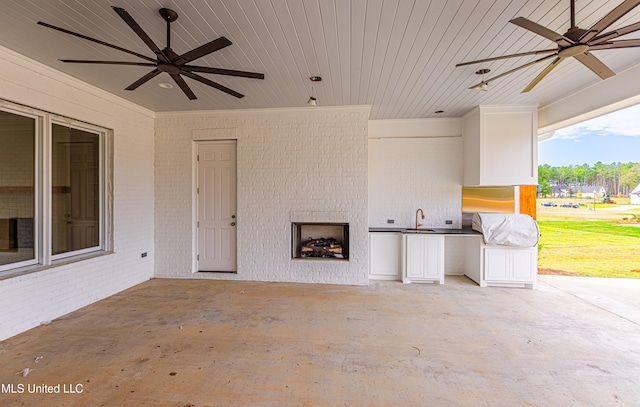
233, 216
233, 223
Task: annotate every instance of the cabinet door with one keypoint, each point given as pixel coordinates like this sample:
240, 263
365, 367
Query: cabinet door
415, 260
497, 264
425, 258
433, 257
384, 254
508, 155
523, 264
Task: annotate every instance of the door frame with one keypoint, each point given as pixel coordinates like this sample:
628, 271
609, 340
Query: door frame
194, 200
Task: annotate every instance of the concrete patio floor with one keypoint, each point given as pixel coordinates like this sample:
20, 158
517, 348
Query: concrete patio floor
221, 343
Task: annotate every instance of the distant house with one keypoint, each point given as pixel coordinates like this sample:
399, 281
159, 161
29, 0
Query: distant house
580, 191
635, 196
559, 191
588, 191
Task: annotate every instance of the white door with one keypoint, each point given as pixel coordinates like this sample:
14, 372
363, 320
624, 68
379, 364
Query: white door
217, 206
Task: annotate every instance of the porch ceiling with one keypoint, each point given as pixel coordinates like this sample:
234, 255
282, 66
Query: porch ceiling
398, 56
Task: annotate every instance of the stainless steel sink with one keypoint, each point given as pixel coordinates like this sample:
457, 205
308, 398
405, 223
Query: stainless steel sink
419, 230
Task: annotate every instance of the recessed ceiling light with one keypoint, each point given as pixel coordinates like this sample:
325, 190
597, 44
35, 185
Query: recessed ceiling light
483, 71
439, 111
316, 78
165, 85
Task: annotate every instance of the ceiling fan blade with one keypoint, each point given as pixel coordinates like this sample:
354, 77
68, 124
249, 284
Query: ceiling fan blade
615, 34
203, 50
84, 37
218, 71
140, 32
212, 84
522, 54
543, 31
609, 19
597, 66
183, 85
616, 44
143, 80
542, 74
516, 69
82, 61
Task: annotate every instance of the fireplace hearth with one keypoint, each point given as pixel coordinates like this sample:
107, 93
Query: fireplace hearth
320, 241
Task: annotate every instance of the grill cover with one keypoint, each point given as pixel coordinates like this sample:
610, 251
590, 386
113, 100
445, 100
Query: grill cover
517, 230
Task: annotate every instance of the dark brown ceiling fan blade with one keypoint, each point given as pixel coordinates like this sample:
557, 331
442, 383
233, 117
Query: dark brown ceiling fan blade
522, 54
203, 50
543, 31
542, 74
613, 16
615, 34
219, 71
82, 61
616, 44
212, 84
596, 66
143, 80
84, 37
140, 32
183, 85
516, 69
167, 60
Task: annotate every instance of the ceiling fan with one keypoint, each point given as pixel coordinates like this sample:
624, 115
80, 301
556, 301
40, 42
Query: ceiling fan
166, 60
576, 43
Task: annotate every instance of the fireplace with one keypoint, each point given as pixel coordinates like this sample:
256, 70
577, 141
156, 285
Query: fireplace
320, 241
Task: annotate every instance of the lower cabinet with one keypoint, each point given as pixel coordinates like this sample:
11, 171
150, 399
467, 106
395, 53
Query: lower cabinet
423, 258
385, 255
511, 266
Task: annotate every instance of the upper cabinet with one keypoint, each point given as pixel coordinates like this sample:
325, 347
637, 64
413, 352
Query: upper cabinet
501, 145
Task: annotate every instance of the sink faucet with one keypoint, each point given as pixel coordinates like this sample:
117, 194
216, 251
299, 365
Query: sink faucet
417, 221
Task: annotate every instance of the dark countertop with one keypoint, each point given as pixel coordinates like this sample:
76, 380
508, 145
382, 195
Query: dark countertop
436, 231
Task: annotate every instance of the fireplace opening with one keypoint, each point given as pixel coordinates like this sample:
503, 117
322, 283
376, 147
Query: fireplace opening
320, 241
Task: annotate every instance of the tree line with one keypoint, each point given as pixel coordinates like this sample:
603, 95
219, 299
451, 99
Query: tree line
617, 178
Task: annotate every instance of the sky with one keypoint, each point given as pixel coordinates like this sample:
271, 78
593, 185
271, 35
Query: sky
614, 137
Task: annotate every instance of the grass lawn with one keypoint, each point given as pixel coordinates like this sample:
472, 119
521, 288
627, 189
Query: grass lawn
589, 243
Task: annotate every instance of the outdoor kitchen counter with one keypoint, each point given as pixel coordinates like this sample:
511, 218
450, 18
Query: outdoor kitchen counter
397, 253
464, 231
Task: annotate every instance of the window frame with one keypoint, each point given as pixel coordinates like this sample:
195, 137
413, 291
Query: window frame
37, 186
101, 145
43, 195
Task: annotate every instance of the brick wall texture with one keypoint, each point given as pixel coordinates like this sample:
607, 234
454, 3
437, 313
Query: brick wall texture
309, 160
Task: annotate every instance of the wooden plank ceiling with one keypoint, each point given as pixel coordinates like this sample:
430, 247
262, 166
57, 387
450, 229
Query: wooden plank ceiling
398, 56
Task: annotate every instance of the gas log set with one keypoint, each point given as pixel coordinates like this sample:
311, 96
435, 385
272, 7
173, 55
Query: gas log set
306, 242
321, 247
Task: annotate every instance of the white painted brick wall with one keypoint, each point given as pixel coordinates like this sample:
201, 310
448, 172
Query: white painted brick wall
410, 173
28, 300
289, 160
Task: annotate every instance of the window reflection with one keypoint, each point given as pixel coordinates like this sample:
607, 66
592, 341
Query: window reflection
17, 182
75, 189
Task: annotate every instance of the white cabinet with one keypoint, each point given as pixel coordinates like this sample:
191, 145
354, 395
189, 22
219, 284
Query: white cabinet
511, 266
501, 145
423, 258
385, 255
